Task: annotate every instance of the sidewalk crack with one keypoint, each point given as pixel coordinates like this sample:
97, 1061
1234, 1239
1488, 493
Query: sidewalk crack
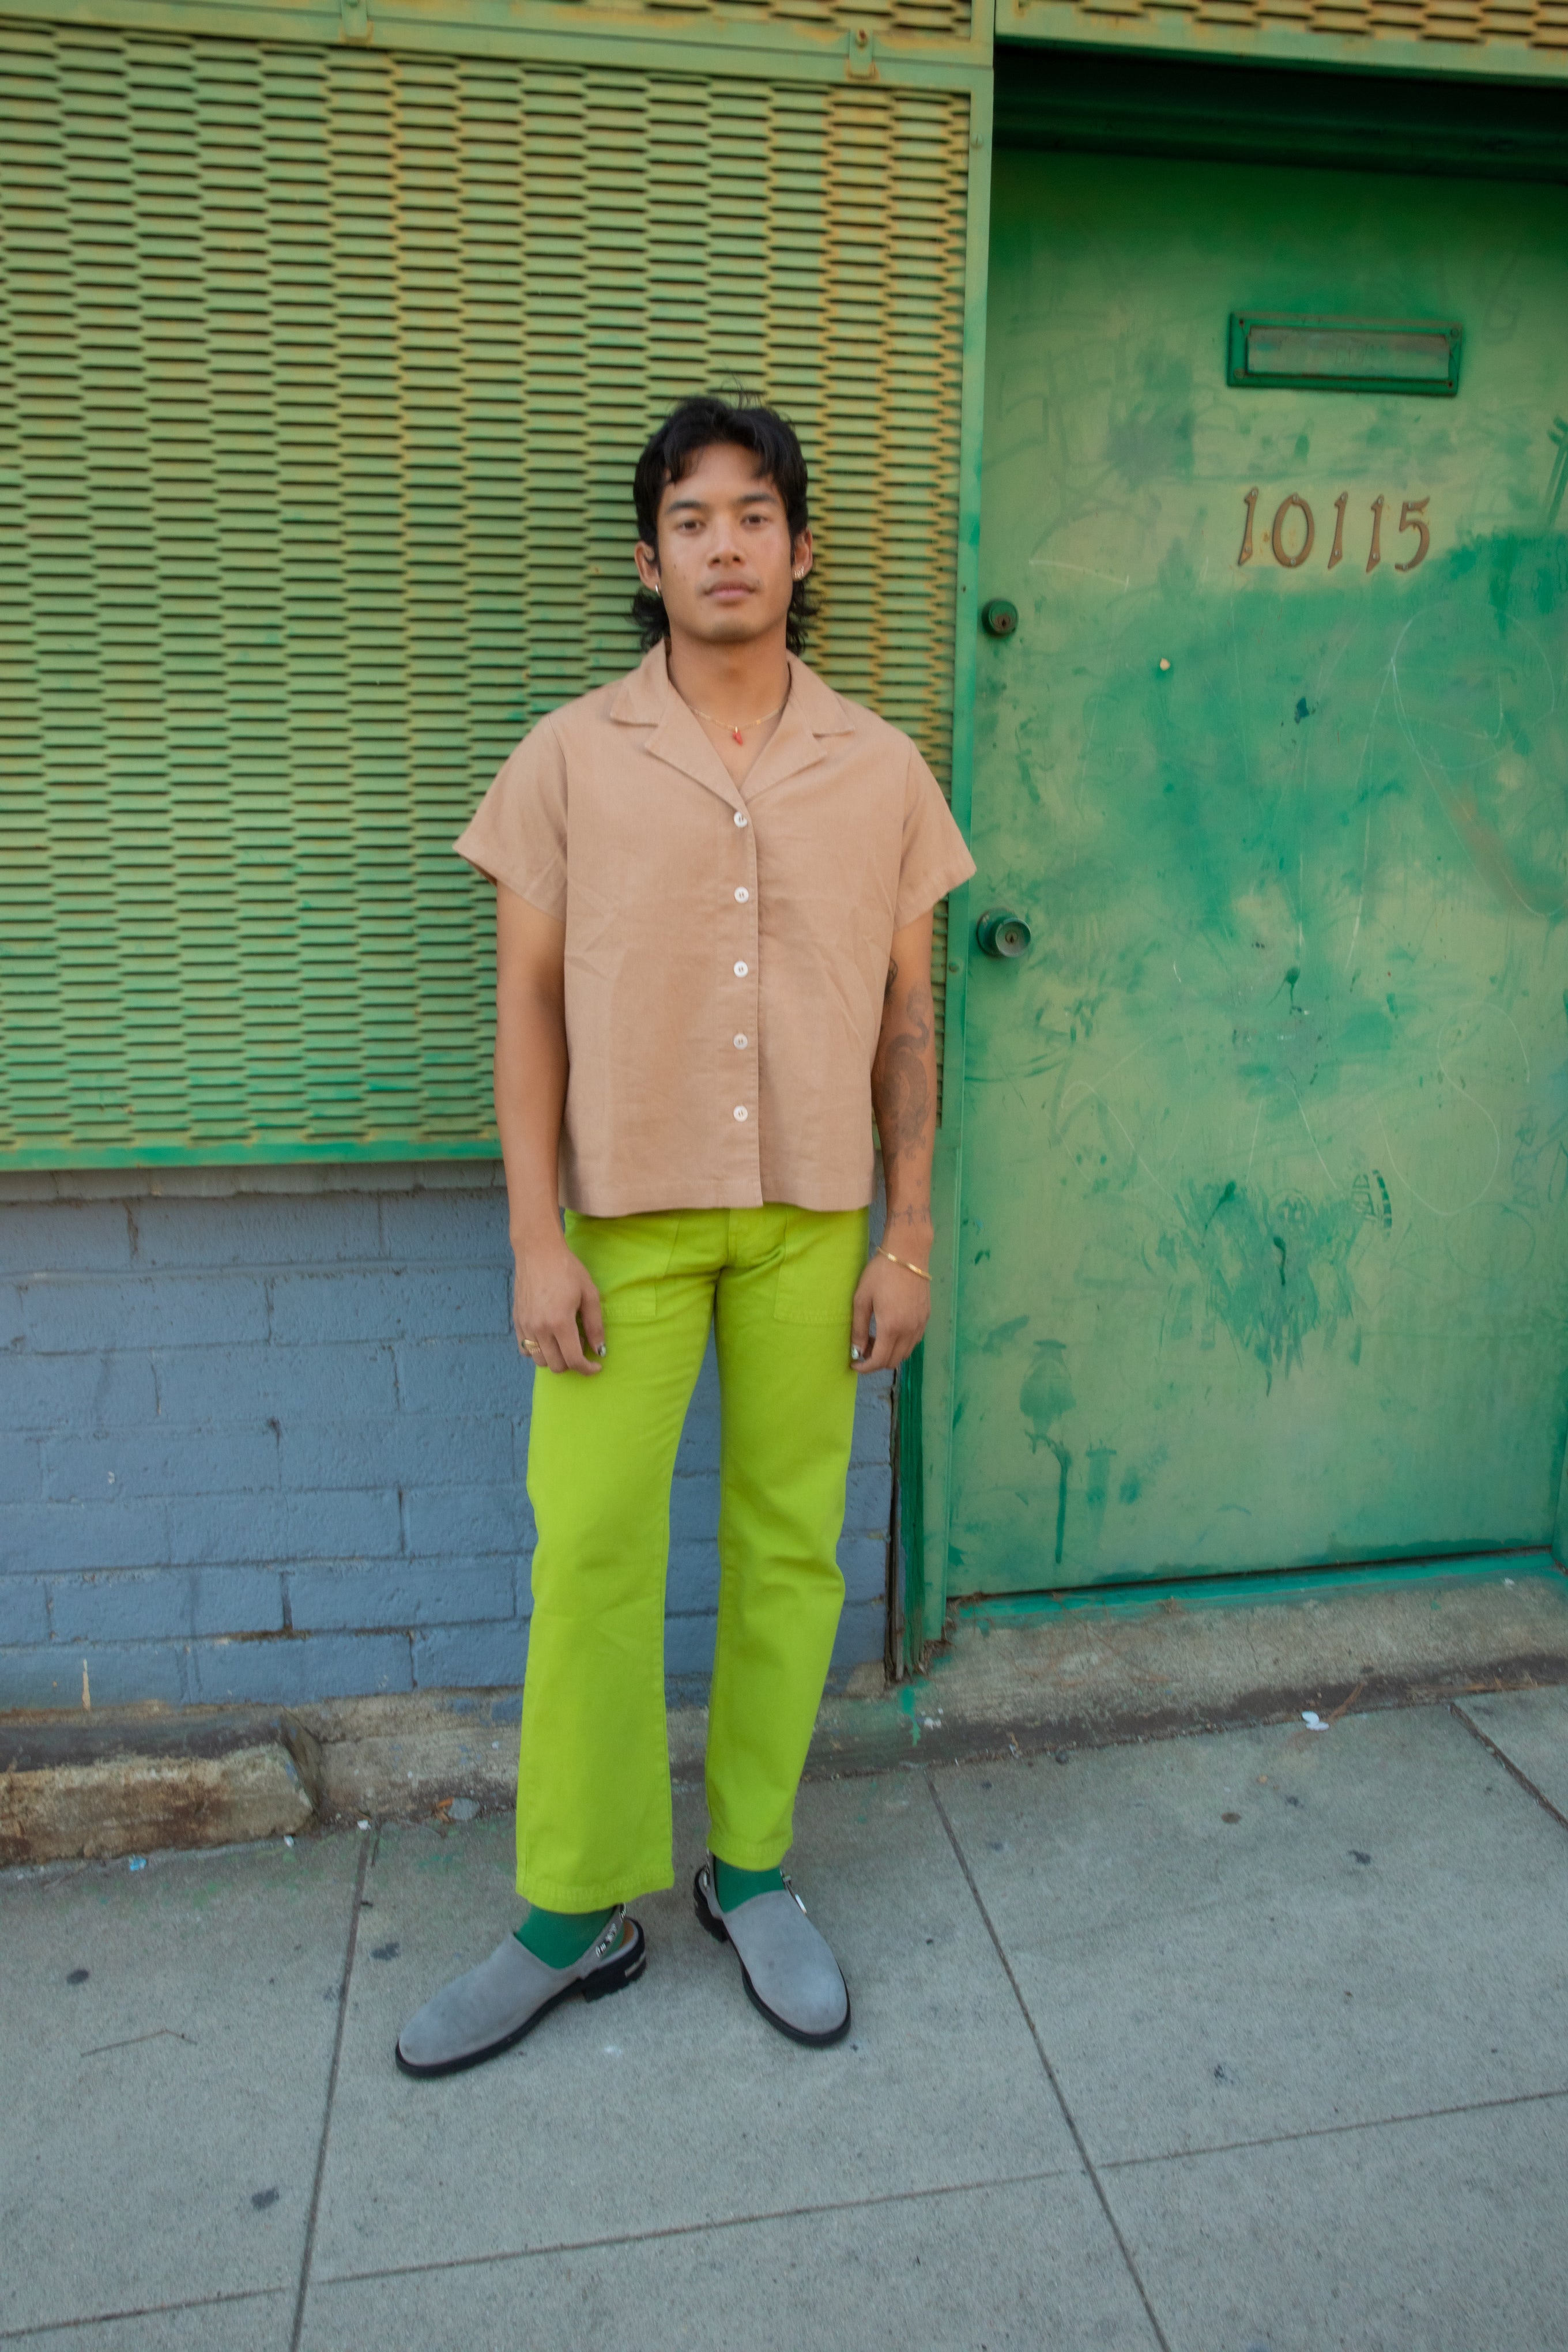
1066, 2113
309, 2255
712, 2224
1509, 1765
141, 2311
1335, 2131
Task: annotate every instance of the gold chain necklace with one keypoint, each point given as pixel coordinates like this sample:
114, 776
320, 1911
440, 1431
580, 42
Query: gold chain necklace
745, 726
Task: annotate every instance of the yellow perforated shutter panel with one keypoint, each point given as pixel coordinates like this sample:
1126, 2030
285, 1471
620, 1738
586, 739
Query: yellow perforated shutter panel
321, 376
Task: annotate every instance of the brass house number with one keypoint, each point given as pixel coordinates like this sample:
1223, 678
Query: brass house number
1293, 533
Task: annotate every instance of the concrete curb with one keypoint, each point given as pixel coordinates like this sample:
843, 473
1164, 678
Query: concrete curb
75, 1786
1089, 1672
1022, 1678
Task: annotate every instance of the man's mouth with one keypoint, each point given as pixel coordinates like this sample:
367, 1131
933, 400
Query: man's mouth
730, 592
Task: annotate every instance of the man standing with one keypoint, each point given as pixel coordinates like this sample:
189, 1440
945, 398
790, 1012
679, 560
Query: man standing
714, 883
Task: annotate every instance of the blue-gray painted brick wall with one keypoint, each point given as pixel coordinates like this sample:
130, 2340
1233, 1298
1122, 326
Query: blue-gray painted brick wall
263, 1436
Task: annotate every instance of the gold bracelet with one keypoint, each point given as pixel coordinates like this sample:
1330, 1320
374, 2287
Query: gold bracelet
923, 1272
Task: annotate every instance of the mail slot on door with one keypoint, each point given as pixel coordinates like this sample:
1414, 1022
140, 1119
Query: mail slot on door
1276, 350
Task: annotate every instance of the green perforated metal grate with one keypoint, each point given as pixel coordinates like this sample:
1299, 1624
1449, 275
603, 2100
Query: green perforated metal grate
321, 373
1453, 33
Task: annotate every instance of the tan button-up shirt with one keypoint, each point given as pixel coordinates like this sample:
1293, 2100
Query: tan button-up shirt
727, 946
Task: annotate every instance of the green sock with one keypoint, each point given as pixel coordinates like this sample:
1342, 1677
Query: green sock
733, 1886
559, 1938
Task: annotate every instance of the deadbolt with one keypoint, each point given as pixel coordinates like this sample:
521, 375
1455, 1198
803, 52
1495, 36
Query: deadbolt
1002, 933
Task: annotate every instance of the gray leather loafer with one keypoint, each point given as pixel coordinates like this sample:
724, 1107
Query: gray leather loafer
479, 2015
785, 1964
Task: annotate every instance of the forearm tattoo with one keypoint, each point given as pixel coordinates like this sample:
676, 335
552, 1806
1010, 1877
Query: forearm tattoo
902, 1083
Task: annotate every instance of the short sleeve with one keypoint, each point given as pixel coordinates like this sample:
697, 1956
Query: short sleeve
935, 857
518, 833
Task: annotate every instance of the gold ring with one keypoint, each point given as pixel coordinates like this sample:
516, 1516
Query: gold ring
529, 1346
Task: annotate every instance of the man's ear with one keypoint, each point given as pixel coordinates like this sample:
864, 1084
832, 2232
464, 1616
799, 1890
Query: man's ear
800, 554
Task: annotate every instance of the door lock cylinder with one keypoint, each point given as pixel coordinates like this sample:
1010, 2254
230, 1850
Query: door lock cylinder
1002, 933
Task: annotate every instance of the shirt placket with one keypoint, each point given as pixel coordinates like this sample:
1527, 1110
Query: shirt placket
743, 996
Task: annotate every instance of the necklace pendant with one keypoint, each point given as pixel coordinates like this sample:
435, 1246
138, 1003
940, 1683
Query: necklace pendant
737, 734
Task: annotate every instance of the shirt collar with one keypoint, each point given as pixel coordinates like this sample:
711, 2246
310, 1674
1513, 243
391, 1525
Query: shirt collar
646, 699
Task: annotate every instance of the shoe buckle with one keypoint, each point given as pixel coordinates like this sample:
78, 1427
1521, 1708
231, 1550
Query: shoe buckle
795, 1899
610, 1933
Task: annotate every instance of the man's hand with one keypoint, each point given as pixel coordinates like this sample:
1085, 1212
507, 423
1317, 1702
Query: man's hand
901, 1303
553, 1297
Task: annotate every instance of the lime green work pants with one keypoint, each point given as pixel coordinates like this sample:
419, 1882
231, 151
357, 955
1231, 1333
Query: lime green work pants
775, 1285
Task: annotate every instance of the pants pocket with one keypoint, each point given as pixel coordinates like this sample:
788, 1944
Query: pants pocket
824, 1254
627, 1258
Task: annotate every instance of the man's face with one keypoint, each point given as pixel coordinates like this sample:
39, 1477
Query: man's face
724, 561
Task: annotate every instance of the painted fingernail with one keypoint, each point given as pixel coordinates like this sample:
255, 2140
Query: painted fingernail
854, 1355
601, 1349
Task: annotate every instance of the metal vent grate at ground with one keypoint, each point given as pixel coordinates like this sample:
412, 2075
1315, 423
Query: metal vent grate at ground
322, 374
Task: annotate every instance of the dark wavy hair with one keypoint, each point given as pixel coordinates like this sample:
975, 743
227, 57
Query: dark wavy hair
696, 425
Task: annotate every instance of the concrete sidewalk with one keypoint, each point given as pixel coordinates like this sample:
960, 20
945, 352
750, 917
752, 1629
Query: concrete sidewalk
1253, 2040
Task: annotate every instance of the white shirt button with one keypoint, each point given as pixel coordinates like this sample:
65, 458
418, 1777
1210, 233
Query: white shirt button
742, 894
739, 816
740, 1110
740, 1040
741, 971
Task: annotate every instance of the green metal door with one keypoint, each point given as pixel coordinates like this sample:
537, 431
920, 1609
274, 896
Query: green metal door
1263, 1253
